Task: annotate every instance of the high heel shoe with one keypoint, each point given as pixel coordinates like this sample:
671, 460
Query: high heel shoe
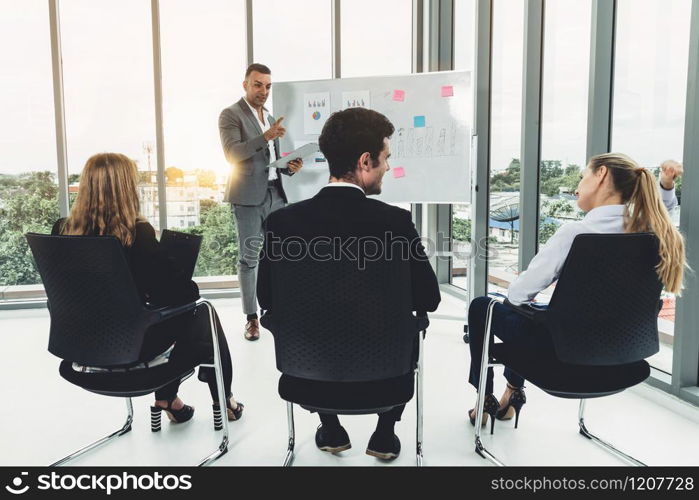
514, 405
232, 414
490, 407
177, 416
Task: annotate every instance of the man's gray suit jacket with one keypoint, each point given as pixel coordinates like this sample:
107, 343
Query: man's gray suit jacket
246, 150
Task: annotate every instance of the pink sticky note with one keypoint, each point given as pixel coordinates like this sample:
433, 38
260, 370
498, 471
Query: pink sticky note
285, 154
447, 91
399, 95
398, 172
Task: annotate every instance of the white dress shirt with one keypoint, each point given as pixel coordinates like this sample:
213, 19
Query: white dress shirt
264, 125
546, 265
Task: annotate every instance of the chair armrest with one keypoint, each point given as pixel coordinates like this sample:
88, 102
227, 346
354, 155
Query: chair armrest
422, 322
267, 322
527, 310
497, 296
164, 313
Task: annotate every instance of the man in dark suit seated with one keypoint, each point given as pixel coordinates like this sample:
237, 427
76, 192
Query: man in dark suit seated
355, 143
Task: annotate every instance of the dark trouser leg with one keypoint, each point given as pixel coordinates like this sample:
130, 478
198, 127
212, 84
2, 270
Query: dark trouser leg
513, 378
387, 420
476, 331
509, 327
168, 392
204, 349
329, 420
193, 346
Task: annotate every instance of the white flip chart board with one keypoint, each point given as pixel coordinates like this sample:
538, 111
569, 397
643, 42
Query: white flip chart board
430, 149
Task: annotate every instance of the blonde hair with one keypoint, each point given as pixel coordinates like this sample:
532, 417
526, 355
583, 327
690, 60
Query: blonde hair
646, 213
107, 201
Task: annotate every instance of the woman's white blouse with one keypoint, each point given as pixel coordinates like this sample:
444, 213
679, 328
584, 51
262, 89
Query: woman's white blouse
546, 266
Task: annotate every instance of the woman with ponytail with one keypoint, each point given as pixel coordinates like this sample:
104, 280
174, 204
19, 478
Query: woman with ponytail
619, 197
107, 205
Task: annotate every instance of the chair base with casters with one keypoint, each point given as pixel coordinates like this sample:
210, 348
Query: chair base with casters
545, 371
418, 392
136, 383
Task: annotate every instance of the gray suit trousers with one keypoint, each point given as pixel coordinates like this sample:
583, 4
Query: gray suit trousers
249, 220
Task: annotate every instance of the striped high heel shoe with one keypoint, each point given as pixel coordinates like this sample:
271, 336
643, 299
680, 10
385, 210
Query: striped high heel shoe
232, 414
177, 416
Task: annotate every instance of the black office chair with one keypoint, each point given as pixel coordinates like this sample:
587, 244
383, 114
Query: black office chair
603, 321
98, 320
335, 323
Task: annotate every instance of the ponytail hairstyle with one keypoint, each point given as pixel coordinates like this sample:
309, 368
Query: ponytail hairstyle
646, 213
107, 201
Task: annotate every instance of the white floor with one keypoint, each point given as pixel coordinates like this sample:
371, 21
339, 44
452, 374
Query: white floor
44, 418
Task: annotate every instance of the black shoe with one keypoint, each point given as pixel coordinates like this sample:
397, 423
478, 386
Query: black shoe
383, 446
490, 408
177, 416
517, 399
332, 440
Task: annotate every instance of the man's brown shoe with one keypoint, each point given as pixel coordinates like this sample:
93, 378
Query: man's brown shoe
252, 329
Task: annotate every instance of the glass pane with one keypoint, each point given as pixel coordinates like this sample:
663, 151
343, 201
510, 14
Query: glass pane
564, 112
464, 34
28, 189
464, 46
196, 87
505, 139
652, 44
108, 88
294, 40
376, 44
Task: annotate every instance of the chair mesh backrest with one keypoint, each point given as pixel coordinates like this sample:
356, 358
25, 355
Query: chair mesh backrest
604, 310
97, 317
335, 322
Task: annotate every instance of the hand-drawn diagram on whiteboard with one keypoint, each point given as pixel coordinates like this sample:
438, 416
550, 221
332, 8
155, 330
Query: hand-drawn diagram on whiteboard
425, 142
316, 108
356, 99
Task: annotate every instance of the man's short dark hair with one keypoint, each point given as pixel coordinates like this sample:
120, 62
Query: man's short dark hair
348, 134
260, 68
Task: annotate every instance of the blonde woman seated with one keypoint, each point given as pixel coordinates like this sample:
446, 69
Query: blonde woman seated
619, 197
107, 204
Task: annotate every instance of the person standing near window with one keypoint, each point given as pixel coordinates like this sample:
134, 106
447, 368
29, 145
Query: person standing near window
250, 140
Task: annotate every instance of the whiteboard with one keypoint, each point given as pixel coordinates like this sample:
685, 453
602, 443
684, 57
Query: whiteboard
430, 149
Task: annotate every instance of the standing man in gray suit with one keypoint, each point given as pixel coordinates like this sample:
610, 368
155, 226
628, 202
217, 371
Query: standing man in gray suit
250, 139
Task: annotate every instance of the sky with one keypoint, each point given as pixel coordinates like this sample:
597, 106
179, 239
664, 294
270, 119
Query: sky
108, 77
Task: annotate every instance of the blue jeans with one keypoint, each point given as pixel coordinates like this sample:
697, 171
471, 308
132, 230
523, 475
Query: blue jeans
509, 327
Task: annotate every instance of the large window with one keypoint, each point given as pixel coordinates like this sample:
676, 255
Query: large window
505, 140
28, 185
294, 40
464, 46
108, 85
376, 37
650, 82
564, 111
203, 60
464, 34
